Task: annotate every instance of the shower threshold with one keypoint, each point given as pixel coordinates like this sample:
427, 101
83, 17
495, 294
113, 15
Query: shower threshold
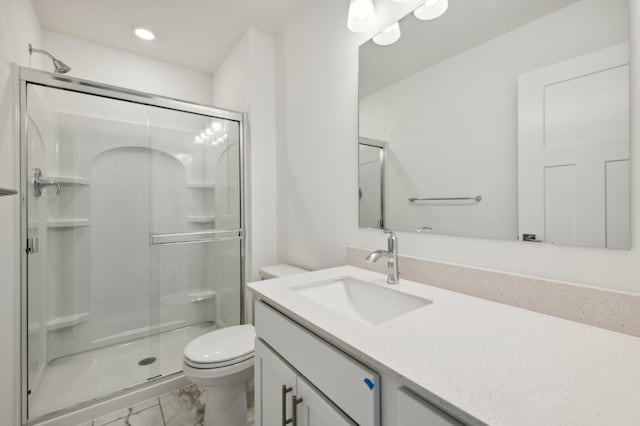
73, 379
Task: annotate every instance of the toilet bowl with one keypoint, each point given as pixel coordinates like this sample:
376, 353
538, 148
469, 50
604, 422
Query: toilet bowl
222, 362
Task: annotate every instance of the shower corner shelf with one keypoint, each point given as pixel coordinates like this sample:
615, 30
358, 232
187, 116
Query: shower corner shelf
67, 321
200, 185
7, 191
68, 223
201, 219
188, 296
201, 295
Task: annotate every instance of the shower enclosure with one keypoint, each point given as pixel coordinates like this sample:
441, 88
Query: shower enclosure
133, 233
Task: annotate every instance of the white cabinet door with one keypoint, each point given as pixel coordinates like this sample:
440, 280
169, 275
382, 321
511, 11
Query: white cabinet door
314, 409
346, 382
271, 373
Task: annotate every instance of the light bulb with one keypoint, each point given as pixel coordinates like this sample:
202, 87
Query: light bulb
388, 36
362, 16
216, 126
432, 9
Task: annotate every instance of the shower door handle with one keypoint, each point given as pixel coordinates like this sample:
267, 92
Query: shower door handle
197, 237
40, 182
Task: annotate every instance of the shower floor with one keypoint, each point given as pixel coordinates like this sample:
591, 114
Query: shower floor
81, 377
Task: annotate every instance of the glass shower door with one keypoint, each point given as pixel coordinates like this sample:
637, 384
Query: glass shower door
87, 214
195, 226
133, 218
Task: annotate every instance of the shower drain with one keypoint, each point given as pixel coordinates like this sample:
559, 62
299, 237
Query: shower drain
147, 361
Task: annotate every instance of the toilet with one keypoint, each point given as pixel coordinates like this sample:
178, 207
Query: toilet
221, 361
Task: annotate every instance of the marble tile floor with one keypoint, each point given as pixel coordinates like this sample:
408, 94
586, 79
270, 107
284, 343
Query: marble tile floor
183, 407
88, 375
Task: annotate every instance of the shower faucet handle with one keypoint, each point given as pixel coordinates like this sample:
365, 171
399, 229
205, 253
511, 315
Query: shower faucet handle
40, 182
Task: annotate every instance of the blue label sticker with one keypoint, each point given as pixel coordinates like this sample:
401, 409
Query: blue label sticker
369, 383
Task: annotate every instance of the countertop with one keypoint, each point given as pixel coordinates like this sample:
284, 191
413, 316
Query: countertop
483, 362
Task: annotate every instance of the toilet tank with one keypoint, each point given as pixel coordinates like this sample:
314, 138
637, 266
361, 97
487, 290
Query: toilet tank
267, 273
281, 270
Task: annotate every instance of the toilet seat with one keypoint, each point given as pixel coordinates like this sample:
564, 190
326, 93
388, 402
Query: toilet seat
221, 348
211, 365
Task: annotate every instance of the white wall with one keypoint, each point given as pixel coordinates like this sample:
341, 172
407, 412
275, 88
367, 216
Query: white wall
104, 64
19, 26
230, 81
465, 143
317, 73
246, 82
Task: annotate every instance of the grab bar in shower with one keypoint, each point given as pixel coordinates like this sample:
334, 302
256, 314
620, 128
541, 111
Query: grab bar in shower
197, 237
477, 198
7, 191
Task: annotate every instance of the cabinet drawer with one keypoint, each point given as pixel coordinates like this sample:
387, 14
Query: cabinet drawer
346, 382
415, 411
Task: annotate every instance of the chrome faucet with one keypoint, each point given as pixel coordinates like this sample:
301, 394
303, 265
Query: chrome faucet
393, 274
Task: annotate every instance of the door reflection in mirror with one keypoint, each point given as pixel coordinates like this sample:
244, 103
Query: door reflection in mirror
371, 162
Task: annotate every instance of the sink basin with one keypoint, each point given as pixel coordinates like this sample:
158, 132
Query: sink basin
364, 302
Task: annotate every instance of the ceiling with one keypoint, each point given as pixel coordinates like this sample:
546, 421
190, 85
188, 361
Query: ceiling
196, 34
424, 43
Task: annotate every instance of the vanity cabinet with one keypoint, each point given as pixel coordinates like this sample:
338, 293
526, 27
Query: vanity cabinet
335, 388
293, 366
279, 388
272, 374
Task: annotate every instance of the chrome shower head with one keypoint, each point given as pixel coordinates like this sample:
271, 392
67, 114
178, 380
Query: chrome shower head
59, 66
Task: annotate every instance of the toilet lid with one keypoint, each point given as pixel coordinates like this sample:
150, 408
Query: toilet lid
222, 345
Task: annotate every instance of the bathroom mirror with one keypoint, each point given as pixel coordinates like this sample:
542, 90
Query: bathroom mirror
504, 119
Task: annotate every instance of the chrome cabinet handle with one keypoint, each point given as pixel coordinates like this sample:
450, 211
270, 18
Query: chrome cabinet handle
285, 391
294, 409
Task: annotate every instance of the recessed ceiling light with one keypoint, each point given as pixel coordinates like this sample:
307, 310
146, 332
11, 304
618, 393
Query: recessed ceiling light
144, 33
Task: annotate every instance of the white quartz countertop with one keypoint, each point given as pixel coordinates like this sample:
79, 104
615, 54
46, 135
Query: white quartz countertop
484, 362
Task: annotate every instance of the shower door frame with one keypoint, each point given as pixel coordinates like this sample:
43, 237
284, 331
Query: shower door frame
26, 76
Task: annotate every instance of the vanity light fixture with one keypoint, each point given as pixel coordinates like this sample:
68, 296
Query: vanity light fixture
389, 35
144, 33
432, 9
362, 16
